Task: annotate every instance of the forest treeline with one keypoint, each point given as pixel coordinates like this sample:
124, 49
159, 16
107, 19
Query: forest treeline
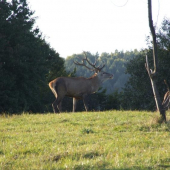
28, 63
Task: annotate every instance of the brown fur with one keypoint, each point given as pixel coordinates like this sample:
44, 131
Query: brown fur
76, 87
166, 101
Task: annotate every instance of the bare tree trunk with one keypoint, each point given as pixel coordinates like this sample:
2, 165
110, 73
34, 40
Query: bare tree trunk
153, 74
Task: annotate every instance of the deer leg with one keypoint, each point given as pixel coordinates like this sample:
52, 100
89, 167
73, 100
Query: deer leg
59, 91
57, 104
74, 104
54, 105
86, 104
60, 106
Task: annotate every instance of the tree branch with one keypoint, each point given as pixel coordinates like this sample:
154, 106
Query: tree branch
155, 57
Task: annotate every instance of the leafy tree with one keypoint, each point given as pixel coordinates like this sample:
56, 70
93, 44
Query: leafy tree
26, 61
113, 101
138, 92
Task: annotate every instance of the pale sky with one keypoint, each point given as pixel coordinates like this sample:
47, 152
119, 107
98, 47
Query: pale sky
73, 26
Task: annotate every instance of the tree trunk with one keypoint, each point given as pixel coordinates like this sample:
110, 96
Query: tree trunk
153, 74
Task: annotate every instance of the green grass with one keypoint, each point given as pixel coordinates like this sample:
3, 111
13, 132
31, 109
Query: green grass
93, 140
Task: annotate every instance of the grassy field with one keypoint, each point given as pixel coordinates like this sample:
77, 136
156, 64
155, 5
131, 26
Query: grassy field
94, 140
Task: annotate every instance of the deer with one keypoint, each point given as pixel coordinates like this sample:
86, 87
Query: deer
78, 87
166, 100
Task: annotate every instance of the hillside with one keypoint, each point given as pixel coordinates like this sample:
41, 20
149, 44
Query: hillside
93, 140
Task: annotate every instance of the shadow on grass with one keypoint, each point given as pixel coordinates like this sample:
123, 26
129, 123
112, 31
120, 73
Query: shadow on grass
104, 167
155, 125
168, 124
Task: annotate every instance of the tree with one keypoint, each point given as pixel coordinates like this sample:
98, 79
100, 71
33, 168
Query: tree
153, 74
137, 93
25, 60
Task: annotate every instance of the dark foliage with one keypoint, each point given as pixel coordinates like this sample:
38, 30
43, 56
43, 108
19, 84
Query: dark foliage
137, 93
27, 62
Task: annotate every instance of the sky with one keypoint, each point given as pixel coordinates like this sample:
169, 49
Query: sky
74, 26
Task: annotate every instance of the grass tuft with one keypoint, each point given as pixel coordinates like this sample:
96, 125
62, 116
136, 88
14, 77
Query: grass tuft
157, 119
91, 155
87, 130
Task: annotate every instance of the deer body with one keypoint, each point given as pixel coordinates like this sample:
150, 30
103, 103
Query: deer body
76, 87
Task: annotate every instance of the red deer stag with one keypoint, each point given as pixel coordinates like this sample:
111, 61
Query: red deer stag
78, 87
166, 101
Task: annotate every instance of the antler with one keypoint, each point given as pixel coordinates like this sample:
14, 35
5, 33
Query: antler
96, 69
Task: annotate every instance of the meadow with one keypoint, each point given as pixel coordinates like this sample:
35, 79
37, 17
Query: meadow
84, 141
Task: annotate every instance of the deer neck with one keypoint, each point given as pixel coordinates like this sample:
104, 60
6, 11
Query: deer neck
95, 83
